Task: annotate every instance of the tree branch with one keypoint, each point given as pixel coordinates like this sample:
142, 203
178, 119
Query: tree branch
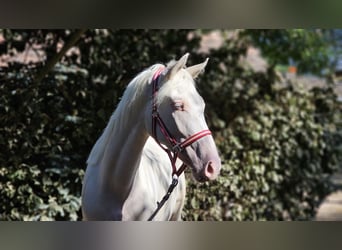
53, 60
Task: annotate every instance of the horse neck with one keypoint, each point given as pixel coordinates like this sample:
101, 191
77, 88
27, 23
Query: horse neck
125, 143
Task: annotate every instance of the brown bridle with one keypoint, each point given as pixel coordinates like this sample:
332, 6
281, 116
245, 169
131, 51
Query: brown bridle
176, 148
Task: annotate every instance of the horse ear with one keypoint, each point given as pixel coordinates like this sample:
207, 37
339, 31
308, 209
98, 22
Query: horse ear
177, 66
197, 69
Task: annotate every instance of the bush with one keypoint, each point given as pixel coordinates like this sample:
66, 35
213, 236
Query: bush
278, 157
43, 137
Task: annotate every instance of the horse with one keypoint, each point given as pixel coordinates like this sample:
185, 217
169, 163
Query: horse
158, 124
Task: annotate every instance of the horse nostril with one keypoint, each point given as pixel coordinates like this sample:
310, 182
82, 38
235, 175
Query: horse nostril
212, 169
209, 171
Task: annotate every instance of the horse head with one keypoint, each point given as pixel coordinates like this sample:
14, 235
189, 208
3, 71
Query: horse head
181, 111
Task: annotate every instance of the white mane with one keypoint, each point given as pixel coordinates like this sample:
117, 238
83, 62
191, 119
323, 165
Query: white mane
130, 100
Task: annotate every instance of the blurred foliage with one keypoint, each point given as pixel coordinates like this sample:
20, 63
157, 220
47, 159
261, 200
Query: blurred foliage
279, 144
308, 50
278, 159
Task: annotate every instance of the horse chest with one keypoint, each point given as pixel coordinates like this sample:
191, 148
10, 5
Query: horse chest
148, 188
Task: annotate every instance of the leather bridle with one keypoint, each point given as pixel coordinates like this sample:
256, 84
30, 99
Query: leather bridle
176, 148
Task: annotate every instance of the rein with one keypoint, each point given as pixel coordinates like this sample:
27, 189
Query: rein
177, 147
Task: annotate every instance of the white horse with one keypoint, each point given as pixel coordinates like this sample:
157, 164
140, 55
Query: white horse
159, 119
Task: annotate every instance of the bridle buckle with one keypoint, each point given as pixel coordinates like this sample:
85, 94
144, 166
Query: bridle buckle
177, 148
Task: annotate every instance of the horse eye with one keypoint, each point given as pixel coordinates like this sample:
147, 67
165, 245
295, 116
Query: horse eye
179, 106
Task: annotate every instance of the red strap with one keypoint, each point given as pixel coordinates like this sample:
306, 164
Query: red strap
180, 170
190, 140
158, 72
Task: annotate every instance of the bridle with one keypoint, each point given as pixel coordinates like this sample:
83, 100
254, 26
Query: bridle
176, 148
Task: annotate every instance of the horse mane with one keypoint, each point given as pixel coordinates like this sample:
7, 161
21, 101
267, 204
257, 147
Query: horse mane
129, 101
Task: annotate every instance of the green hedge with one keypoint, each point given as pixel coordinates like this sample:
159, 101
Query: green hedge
279, 145
278, 158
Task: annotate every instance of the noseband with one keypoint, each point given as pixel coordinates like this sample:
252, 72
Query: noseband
176, 146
